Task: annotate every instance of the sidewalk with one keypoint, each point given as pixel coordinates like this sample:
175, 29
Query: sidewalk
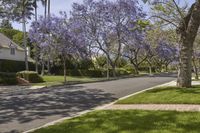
166, 107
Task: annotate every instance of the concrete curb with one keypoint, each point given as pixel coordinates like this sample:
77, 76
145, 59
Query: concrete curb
93, 109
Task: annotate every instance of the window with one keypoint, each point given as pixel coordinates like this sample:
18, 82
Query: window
12, 51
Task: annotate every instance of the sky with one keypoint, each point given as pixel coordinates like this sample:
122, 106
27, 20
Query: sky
56, 6
65, 5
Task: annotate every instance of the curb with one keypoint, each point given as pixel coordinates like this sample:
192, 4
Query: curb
93, 109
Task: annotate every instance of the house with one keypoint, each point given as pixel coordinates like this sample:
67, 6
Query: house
9, 50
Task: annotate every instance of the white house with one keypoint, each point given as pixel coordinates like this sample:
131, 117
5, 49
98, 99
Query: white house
9, 50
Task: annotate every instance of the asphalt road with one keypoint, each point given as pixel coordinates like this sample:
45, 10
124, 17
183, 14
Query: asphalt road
23, 109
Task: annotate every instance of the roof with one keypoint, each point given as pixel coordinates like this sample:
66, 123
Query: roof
5, 42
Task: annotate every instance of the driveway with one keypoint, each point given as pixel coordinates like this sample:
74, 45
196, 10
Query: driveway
24, 109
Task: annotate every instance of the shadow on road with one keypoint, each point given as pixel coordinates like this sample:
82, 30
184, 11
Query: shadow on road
28, 105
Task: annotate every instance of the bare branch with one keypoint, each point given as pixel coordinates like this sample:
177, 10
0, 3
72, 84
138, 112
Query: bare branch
166, 20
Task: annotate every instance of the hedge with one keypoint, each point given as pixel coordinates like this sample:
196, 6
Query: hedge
8, 78
14, 66
30, 76
93, 72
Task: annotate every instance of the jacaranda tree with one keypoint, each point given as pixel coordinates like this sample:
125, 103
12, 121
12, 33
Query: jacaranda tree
187, 29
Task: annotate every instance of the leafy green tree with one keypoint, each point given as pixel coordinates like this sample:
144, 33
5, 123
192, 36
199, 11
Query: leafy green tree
18, 38
22, 12
187, 25
9, 32
6, 24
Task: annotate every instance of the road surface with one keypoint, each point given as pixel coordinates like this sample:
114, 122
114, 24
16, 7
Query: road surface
23, 109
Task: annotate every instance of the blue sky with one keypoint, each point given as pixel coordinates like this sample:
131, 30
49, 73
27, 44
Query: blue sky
56, 6
65, 5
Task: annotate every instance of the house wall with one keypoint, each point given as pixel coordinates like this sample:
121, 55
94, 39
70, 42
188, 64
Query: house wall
5, 54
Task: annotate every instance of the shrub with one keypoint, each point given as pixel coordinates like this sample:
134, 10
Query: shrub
85, 64
129, 68
30, 76
14, 66
8, 79
121, 72
93, 72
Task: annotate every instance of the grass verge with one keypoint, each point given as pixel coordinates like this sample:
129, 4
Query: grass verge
59, 80
129, 121
166, 95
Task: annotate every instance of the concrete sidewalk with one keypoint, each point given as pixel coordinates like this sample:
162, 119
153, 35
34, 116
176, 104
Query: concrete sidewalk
167, 107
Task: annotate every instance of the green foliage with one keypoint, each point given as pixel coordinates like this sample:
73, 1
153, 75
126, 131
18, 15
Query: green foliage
101, 61
30, 76
8, 78
93, 72
143, 23
121, 62
14, 66
6, 24
159, 7
9, 32
18, 38
85, 72
129, 68
85, 64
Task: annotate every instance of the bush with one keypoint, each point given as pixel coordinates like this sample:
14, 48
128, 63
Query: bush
30, 76
121, 72
85, 72
129, 68
85, 64
93, 72
8, 79
14, 66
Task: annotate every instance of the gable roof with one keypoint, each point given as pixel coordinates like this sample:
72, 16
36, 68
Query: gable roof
5, 42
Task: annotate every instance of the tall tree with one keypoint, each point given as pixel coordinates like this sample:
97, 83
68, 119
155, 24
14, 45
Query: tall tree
36, 47
187, 29
66, 42
22, 12
105, 24
6, 24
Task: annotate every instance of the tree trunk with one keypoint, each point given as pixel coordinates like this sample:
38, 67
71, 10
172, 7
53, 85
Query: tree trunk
113, 70
49, 8
195, 69
150, 70
25, 43
188, 33
136, 69
107, 72
135, 65
166, 67
45, 9
42, 72
185, 68
48, 65
36, 65
65, 70
36, 48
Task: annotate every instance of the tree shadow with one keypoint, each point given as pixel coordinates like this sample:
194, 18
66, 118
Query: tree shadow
28, 105
129, 121
191, 90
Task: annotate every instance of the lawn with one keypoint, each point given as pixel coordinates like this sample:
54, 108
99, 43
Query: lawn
129, 121
166, 95
59, 80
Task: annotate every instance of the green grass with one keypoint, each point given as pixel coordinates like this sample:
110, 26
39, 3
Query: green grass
129, 121
59, 80
166, 95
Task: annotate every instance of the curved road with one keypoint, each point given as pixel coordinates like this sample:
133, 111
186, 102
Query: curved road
23, 109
